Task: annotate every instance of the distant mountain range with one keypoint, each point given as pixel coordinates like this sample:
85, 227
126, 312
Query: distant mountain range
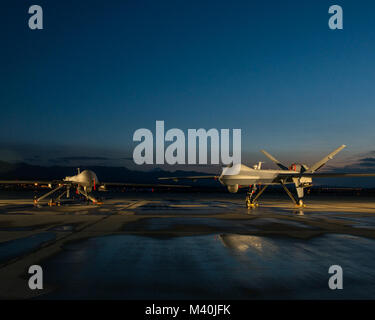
25, 171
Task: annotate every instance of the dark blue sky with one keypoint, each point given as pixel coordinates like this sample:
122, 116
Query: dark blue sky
102, 69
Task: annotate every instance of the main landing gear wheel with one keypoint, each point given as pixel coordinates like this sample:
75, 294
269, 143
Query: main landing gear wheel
300, 204
250, 202
250, 205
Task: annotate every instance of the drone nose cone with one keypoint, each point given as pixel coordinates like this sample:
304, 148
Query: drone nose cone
91, 177
221, 180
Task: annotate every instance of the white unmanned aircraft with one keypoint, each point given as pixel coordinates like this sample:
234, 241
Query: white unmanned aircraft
298, 174
84, 182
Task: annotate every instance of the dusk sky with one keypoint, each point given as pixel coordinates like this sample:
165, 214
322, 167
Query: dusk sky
98, 71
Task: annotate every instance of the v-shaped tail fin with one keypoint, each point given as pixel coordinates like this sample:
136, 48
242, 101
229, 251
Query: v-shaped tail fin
273, 159
316, 166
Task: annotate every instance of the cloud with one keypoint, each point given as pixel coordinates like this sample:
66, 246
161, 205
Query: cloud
77, 158
363, 164
88, 160
367, 162
32, 159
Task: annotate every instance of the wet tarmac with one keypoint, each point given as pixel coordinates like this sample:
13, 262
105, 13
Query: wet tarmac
14, 248
212, 267
188, 246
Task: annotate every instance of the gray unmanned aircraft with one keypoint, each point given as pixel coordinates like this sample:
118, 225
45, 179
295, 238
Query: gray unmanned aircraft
240, 176
84, 183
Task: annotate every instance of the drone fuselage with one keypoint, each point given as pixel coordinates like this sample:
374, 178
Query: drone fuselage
244, 176
86, 179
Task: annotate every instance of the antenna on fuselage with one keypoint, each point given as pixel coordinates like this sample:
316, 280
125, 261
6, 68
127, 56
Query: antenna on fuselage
78, 170
258, 166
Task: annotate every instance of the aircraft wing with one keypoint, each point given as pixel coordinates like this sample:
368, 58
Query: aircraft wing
141, 185
31, 181
337, 175
326, 175
194, 178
